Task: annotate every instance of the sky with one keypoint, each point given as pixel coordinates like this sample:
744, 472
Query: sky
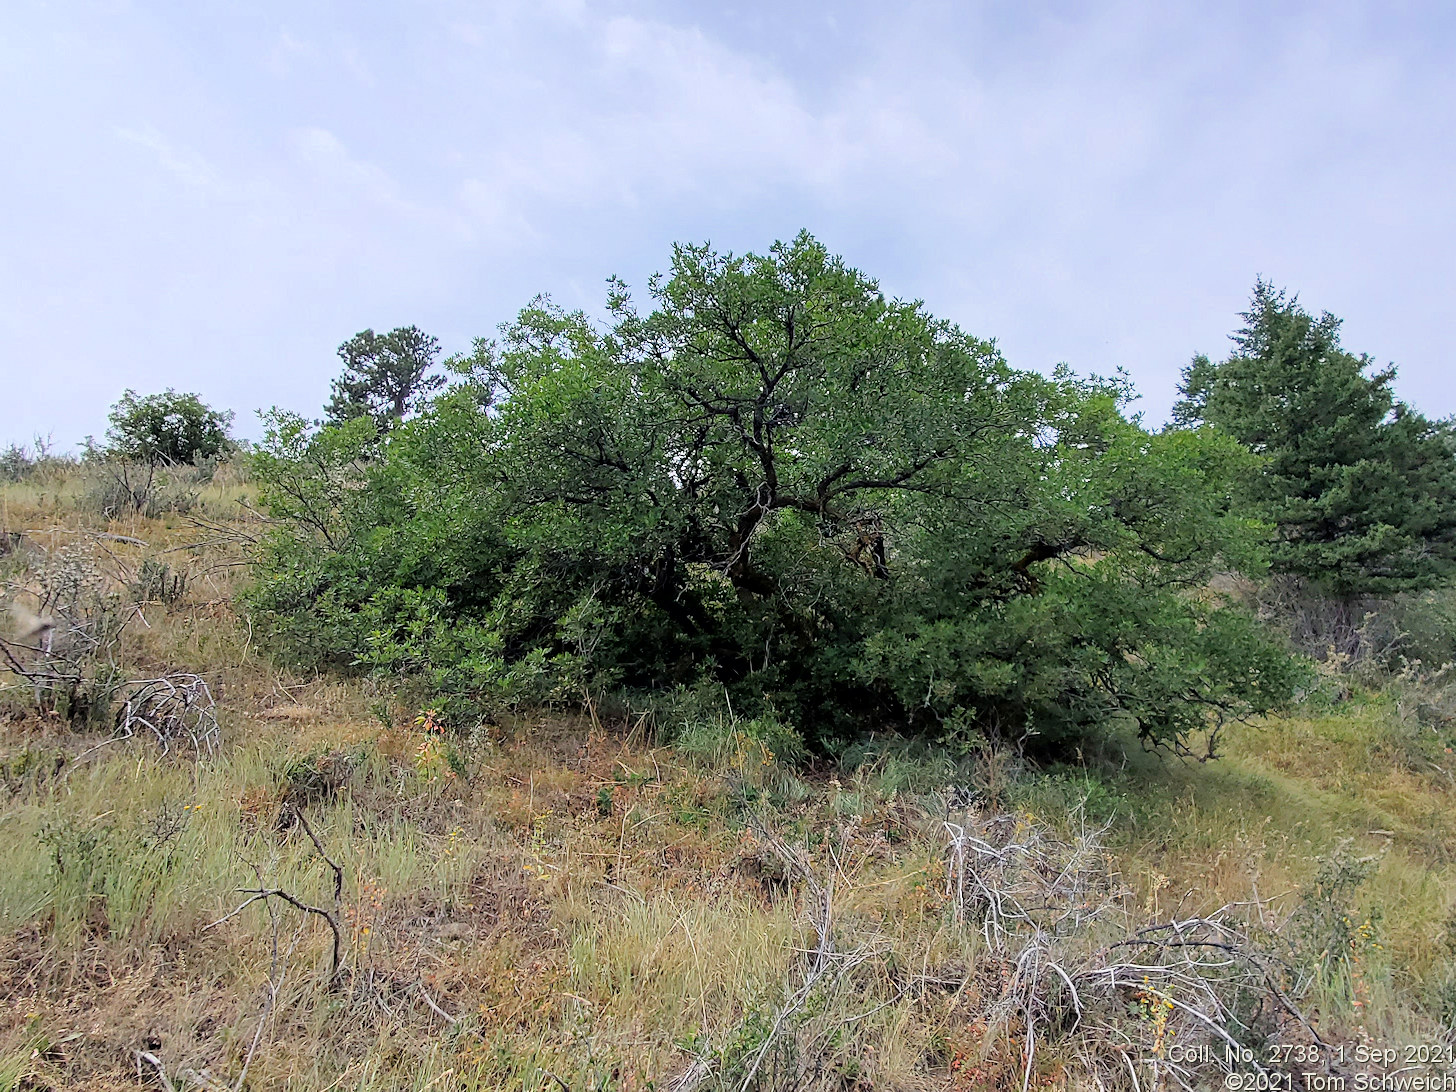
211, 196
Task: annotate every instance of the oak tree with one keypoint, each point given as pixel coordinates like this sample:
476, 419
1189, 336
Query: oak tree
777, 479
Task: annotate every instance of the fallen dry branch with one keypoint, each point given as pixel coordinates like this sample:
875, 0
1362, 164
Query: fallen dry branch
334, 866
261, 893
1010, 873
436, 1009
171, 707
156, 1064
827, 978
1040, 901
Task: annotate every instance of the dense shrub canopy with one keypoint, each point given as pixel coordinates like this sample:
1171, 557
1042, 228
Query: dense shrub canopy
831, 503
167, 428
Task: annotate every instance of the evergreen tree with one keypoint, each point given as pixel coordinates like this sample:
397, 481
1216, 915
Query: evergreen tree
1360, 488
385, 376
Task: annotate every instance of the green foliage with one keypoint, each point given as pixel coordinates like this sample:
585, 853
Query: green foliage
1360, 487
82, 859
846, 512
308, 478
15, 463
167, 428
106, 879
385, 376
1426, 623
700, 723
30, 767
1327, 936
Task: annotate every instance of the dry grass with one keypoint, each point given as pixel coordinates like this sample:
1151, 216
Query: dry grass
553, 904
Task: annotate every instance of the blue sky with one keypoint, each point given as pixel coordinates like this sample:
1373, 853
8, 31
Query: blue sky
212, 196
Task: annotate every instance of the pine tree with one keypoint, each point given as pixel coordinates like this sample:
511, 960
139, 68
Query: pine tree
385, 376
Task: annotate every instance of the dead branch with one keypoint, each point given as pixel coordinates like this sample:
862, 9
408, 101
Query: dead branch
156, 1063
170, 707
827, 969
1037, 898
436, 1009
334, 865
256, 894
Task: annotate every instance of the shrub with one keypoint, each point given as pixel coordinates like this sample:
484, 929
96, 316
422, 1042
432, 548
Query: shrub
846, 512
158, 582
1329, 940
1373, 641
71, 624
15, 463
112, 487
19, 462
168, 428
1422, 627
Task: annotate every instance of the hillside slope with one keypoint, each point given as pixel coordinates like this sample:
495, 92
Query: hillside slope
338, 894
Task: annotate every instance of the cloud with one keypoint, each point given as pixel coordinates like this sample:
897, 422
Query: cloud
660, 114
287, 51
324, 154
220, 196
187, 167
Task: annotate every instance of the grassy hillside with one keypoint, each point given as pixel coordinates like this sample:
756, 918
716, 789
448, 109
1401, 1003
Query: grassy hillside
608, 897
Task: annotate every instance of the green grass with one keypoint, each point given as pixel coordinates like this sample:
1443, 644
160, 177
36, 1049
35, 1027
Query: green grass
587, 903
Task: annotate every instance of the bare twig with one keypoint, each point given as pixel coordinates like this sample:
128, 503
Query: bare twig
1035, 895
170, 707
156, 1063
312, 837
255, 894
436, 1009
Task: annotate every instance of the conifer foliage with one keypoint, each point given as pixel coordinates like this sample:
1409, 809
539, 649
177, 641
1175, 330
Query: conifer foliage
1360, 488
386, 376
